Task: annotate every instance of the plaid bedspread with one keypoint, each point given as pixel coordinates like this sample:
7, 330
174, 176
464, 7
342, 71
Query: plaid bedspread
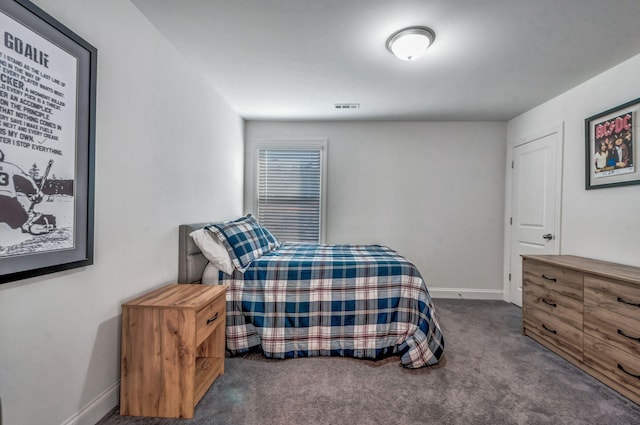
333, 300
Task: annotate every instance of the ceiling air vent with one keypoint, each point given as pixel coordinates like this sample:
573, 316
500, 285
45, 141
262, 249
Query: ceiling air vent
346, 105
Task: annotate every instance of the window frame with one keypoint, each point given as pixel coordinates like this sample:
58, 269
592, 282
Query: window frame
320, 145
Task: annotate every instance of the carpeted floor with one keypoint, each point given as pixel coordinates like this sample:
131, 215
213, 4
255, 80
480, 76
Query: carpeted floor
492, 375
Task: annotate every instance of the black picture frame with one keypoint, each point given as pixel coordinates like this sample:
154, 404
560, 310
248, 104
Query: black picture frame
611, 145
47, 110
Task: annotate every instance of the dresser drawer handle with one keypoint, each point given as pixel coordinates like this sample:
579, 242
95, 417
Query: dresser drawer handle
622, 300
620, 332
628, 373
553, 279
547, 329
549, 303
213, 319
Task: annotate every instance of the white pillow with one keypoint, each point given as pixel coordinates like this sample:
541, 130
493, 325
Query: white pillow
213, 249
210, 275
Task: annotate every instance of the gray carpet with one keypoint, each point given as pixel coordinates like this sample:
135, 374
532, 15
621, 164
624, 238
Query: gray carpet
491, 375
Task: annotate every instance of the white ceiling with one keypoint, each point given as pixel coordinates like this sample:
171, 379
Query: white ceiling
491, 60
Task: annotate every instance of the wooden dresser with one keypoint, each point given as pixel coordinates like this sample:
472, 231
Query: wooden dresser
588, 312
173, 349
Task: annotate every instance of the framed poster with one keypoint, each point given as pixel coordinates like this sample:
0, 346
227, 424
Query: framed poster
611, 140
47, 138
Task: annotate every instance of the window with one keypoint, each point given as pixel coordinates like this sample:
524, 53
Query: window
290, 189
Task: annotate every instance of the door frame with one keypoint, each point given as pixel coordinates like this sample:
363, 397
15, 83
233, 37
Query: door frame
511, 145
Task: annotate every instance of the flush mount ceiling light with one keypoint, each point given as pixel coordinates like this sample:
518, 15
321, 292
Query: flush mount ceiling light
410, 43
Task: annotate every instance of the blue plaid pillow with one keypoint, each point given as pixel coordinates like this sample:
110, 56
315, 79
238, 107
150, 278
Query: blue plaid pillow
274, 243
243, 238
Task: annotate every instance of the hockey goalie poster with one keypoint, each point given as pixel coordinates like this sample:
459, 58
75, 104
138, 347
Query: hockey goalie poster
40, 172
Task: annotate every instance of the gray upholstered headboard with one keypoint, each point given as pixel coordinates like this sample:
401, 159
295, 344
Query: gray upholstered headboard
191, 262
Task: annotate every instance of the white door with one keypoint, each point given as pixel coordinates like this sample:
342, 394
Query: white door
534, 203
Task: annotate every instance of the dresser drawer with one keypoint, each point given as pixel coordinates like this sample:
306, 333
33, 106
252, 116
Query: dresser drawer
617, 365
209, 317
563, 281
546, 299
553, 329
621, 331
611, 295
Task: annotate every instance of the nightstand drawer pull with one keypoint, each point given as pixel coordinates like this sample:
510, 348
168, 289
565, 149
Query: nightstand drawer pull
549, 303
213, 319
547, 329
544, 276
622, 300
621, 332
628, 373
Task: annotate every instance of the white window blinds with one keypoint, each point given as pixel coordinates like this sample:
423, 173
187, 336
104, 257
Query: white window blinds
290, 192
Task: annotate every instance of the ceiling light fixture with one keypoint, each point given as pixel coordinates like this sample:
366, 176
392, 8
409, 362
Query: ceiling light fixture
410, 43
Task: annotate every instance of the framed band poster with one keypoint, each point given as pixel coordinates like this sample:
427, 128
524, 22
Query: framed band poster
611, 142
47, 139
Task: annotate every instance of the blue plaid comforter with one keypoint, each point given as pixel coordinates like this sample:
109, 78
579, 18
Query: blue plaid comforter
333, 300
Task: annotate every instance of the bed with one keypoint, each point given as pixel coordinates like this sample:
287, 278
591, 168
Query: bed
300, 299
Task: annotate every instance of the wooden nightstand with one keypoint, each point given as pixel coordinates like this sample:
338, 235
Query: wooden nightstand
173, 349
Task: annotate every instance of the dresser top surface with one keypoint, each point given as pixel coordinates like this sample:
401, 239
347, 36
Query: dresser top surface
194, 296
600, 268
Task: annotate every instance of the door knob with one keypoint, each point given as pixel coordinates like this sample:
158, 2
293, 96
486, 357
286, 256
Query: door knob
548, 236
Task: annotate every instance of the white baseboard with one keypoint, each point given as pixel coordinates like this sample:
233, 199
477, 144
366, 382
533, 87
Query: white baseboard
467, 293
91, 413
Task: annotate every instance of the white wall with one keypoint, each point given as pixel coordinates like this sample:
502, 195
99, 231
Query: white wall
590, 217
169, 150
434, 191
